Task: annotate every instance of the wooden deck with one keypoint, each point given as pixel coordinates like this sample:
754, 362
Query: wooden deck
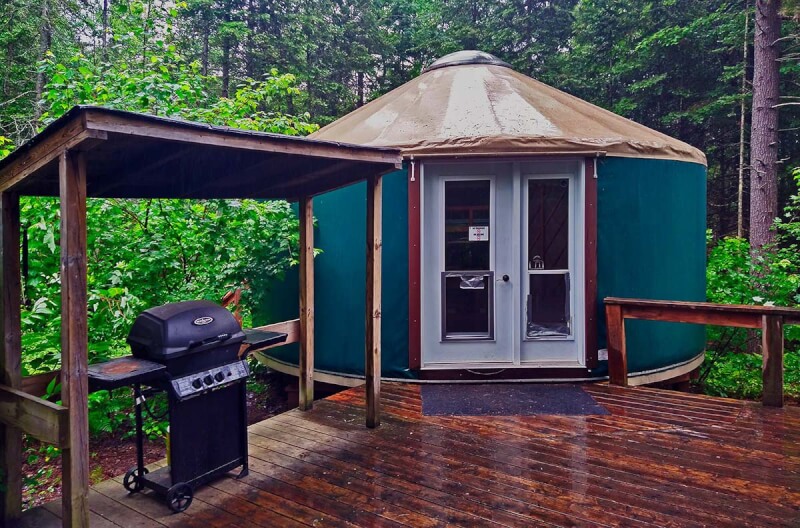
659, 459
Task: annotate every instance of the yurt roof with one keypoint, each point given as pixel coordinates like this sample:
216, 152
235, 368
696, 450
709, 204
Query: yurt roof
472, 103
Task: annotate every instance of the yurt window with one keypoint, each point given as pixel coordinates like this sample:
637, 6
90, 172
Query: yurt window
467, 281
548, 300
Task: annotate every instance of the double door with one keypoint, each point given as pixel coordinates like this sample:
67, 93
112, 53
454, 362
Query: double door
502, 269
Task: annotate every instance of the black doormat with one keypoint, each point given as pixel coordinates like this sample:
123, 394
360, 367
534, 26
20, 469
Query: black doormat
507, 399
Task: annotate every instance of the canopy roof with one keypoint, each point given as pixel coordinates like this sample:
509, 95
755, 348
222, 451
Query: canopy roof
471, 103
131, 155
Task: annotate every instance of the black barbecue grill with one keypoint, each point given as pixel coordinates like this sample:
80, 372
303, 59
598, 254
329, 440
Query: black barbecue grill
191, 351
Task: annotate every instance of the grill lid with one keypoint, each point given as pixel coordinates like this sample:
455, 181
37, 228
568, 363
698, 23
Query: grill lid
177, 329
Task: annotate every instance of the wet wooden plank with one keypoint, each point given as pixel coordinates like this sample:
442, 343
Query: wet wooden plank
38, 518
660, 458
549, 458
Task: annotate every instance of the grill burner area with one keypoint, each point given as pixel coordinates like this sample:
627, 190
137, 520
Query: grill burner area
190, 350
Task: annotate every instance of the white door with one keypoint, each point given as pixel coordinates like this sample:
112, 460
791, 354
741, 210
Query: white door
497, 270
551, 320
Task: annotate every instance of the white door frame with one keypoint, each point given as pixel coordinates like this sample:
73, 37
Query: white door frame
516, 349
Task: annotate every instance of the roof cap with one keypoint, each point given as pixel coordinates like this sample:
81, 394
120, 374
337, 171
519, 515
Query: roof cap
462, 57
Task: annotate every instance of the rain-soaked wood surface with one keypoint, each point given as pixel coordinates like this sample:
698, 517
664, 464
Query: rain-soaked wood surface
659, 458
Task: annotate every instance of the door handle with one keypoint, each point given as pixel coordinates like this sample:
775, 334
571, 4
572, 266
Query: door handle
506, 278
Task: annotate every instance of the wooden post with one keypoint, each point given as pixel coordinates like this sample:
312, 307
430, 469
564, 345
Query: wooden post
10, 356
772, 366
372, 361
617, 355
74, 339
306, 396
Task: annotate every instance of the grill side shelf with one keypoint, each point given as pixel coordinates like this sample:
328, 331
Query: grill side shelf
124, 371
258, 339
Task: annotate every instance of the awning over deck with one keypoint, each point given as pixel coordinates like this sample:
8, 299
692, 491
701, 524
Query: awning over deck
133, 155
101, 153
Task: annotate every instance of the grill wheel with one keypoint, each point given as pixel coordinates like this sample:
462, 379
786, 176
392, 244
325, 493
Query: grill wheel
133, 480
179, 497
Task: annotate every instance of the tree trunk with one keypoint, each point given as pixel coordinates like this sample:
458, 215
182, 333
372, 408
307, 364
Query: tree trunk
226, 66
45, 37
360, 102
9, 65
249, 53
204, 55
764, 125
227, 44
104, 37
742, 122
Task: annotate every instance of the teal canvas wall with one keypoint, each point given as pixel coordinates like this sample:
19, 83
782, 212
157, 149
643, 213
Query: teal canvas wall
651, 245
340, 279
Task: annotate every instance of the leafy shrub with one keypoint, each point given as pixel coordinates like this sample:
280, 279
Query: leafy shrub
734, 276
736, 375
144, 253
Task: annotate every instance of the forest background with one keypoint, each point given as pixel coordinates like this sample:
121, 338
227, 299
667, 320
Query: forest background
683, 67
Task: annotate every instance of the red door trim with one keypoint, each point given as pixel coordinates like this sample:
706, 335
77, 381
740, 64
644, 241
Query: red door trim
590, 261
414, 294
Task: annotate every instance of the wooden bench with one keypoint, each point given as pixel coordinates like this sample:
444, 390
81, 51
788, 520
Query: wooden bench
770, 319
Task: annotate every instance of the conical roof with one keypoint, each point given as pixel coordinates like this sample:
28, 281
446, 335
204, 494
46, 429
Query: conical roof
471, 102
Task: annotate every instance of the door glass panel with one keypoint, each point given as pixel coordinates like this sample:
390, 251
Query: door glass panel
466, 225
467, 300
548, 305
467, 281
548, 224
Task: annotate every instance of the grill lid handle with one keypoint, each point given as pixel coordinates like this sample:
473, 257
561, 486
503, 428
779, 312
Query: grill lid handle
216, 339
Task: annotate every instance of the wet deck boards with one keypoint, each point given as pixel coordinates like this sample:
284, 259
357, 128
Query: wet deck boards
659, 459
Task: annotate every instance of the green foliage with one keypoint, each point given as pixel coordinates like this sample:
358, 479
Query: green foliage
733, 277
771, 279
144, 253
168, 85
735, 375
6, 146
39, 452
109, 414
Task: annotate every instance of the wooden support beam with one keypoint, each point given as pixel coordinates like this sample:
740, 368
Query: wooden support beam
290, 328
770, 319
772, 356
35, 416
306, 378
373, 305
71, 136
617, 353
682, 314
137, 125
74, 339
10, 356
790, 315
37, 384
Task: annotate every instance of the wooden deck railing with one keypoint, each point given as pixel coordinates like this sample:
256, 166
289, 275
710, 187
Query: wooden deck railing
770, 319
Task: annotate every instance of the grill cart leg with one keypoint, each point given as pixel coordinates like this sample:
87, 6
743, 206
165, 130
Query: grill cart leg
133, 478
244, 446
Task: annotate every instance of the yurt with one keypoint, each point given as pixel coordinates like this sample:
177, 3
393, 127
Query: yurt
519, 208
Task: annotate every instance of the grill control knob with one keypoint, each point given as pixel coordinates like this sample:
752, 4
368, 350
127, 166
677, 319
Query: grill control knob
197, 383
219, 376
208, 379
